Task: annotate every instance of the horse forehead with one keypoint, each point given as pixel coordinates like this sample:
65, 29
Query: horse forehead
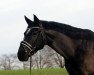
28, 30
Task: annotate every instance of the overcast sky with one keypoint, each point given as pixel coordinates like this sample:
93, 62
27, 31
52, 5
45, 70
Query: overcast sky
78, 13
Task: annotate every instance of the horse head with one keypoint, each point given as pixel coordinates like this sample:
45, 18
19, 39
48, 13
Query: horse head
33, 41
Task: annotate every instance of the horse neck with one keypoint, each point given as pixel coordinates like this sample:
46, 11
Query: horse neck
62, 38
60, 43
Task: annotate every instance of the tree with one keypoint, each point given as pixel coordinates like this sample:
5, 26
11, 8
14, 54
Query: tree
59, 60
44, 58
8, 62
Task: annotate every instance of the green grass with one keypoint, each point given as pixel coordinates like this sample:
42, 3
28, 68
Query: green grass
55, 71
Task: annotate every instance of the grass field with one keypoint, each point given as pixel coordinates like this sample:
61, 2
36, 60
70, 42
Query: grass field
55, 71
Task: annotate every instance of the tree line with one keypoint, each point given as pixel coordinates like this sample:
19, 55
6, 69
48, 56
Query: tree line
45, 58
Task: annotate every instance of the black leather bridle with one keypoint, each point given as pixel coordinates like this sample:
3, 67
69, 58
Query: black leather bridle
30, 47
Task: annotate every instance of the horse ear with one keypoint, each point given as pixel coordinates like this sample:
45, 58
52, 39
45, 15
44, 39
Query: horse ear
36, 19
28, 20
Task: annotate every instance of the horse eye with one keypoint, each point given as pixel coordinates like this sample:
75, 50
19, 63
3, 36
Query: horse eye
35, 30
35, 33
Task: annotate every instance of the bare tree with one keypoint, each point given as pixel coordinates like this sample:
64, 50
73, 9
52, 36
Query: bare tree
4, 62
8, 61
43, 59
59, 60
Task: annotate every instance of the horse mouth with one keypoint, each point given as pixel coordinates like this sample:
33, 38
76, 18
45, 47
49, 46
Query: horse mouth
22, 56
25, 51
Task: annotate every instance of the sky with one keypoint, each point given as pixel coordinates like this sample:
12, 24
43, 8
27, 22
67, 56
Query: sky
78, 13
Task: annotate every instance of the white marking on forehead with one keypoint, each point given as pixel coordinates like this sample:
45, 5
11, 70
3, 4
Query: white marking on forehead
28, 30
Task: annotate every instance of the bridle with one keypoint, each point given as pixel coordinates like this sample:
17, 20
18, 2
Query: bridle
30, 47
25, 44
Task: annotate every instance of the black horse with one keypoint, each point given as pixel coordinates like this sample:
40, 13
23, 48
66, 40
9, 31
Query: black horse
74, 44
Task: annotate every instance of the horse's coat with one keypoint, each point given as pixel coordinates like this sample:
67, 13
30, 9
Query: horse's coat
76, 45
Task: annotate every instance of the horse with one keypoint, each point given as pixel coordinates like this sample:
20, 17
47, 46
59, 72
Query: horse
76, 45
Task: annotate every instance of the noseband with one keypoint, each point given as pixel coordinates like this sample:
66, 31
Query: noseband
29, 46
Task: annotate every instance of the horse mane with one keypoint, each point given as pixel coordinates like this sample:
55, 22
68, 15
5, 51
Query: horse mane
70, 31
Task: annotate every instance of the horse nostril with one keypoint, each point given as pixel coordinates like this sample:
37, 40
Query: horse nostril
22, 56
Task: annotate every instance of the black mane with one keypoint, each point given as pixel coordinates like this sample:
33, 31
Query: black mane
73, 32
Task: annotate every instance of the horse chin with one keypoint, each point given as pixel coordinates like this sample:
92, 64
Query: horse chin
22, 56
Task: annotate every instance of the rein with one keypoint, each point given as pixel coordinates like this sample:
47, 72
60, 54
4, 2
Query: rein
30, 63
